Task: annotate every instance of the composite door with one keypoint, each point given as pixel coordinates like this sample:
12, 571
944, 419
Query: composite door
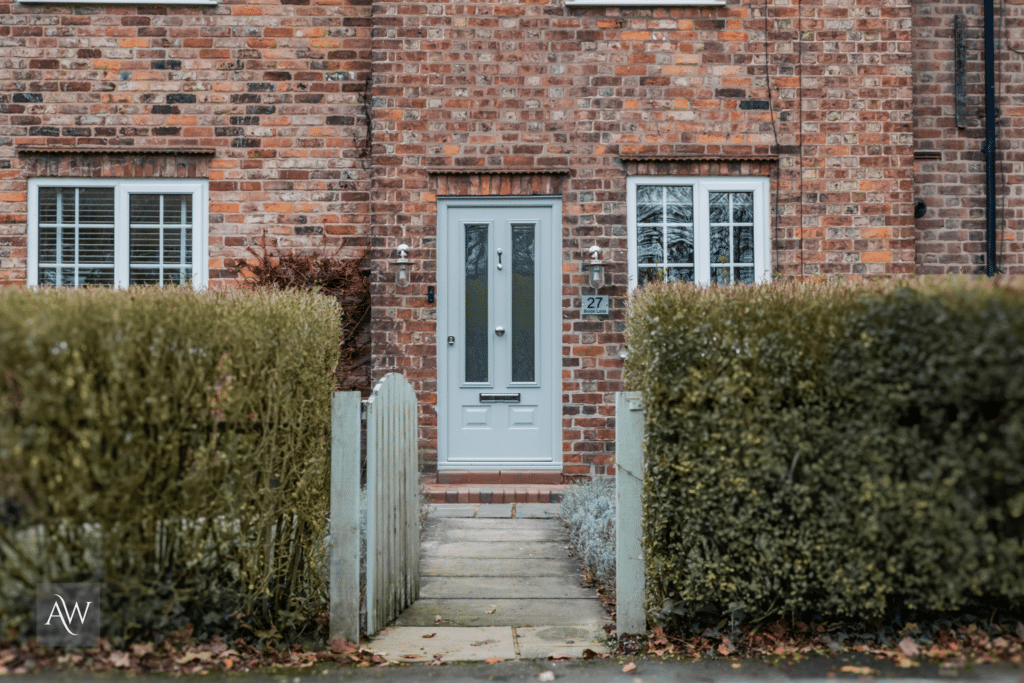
497, 326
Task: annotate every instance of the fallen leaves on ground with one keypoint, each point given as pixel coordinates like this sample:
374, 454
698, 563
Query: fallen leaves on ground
952, 646
187, 658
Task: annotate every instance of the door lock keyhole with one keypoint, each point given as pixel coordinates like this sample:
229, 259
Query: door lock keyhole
451, 341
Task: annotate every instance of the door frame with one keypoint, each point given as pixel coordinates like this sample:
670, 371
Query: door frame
554, 301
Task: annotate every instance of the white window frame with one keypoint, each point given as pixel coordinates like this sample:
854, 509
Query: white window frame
199, 189
702, 186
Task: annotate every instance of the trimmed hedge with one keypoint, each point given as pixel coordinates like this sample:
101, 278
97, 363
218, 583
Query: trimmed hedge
832, 448
173, 446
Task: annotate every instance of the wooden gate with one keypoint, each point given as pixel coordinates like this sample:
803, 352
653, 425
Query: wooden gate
393, 502
392, 568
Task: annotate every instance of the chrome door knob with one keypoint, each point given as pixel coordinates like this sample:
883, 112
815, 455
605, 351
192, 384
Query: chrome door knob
500, 331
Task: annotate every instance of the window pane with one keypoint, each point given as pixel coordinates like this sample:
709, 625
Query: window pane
745, 275
48, 204
476, 303
719, 207
720, 251
48, 277
649, 194
743, 242
648, 244
144, 244
679, 208
144, 208
178, 208
721, 275
680, 244
86, 276
173, 243
742, 207
95, 244
47, 244
645, 275
160, 229
177, 276
95, 205
96, 276
144, 276
523, 303
649, 213
76, 226
680, 275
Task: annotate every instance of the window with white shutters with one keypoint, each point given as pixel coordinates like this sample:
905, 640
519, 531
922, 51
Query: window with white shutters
116, 233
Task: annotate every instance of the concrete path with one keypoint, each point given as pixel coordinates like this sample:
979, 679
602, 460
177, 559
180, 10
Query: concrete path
497, 584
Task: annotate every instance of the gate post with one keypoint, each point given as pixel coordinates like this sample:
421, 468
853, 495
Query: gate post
345, 511
630, 582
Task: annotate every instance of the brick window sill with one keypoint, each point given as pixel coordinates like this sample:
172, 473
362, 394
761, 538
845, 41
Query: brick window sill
119, 2
645, 3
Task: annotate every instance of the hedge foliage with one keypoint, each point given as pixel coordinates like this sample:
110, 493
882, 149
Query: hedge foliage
172, 445
832, 448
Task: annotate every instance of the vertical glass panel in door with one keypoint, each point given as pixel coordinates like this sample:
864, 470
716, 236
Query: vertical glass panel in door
476, 303
524, 295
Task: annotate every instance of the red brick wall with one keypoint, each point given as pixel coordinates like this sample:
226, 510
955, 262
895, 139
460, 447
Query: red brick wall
951, 236
493, 84
275, 87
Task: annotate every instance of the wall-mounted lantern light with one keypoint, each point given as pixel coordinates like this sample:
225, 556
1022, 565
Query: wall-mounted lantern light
596, 267
403, 266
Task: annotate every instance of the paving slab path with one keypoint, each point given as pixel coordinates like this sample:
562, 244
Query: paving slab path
497, 583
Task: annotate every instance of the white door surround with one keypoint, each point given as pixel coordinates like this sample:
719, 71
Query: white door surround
499, 333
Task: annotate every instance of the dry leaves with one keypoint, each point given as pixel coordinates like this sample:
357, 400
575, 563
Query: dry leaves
957, 647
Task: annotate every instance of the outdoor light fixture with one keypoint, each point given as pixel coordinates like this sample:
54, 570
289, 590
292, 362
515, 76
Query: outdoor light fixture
596, 267
404, 265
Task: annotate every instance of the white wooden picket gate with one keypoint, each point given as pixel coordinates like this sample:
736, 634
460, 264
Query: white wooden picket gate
392, 500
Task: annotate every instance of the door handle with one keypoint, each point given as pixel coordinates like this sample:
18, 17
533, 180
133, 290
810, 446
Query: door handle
451, 341
500, 331
499, 260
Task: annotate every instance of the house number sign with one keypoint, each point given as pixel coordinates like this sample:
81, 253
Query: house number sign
595, 305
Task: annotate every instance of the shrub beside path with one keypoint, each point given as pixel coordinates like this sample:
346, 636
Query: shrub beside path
497, 584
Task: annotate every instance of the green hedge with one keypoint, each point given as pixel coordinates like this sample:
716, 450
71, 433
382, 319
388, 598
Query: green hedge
832, 448
173, 446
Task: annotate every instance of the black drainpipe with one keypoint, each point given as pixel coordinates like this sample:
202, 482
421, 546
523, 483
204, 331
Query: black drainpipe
990, 139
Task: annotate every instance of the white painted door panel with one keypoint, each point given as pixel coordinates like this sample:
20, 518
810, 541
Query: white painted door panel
498, 402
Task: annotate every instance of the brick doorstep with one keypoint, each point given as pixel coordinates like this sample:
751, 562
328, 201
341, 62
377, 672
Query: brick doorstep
493, 493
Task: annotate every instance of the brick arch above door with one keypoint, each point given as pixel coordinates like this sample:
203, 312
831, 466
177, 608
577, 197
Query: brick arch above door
498, 182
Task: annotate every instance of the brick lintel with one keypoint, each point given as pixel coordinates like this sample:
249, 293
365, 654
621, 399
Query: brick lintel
41, 149
479, 170
641, 158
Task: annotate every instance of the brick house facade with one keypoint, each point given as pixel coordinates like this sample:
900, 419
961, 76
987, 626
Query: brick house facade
347, 124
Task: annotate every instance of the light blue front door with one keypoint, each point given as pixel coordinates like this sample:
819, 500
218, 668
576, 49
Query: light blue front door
499, 298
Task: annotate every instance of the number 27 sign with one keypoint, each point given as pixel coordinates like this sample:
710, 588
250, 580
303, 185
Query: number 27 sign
595, 305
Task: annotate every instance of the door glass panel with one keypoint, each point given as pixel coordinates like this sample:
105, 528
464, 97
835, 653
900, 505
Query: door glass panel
476, 303
524, 288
